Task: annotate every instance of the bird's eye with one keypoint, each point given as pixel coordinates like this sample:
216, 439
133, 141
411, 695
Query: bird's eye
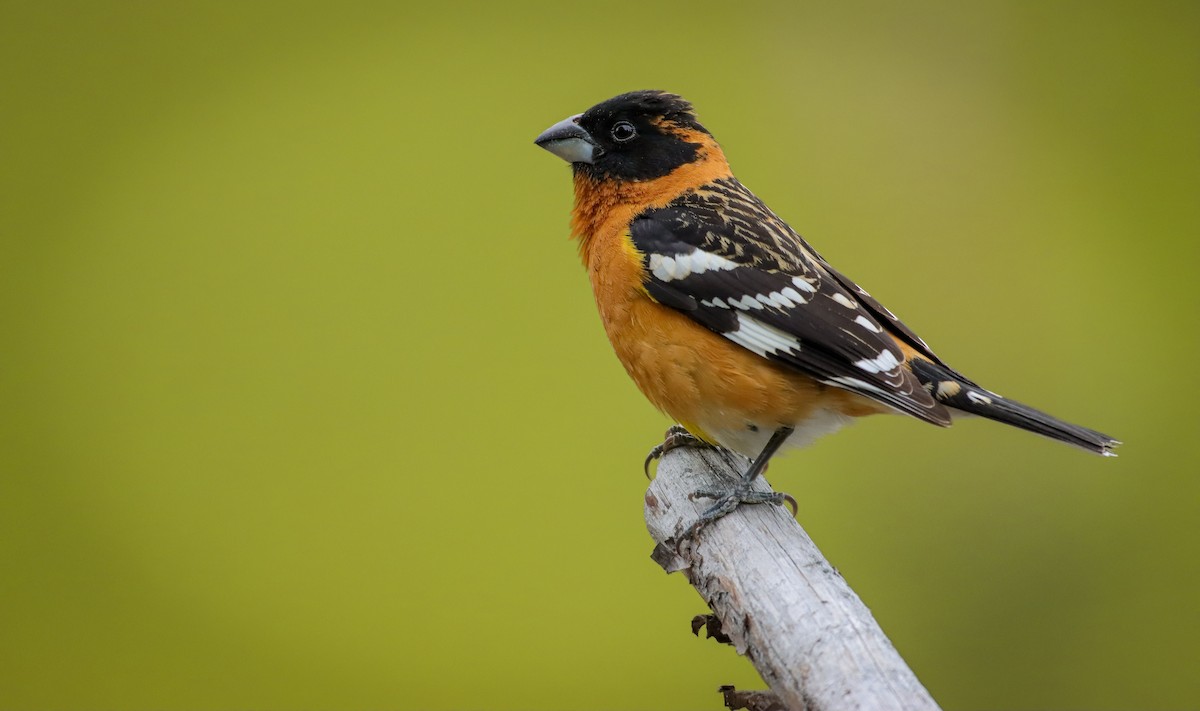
623, 131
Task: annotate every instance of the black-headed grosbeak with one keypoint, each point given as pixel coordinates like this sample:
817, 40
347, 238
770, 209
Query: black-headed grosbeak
724, 316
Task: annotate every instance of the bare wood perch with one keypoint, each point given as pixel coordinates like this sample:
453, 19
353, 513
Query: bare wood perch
777, 598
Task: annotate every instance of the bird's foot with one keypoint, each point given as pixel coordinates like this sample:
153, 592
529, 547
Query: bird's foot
676, 437
727, 501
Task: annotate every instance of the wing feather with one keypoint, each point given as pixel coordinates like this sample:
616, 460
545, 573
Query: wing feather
722, 257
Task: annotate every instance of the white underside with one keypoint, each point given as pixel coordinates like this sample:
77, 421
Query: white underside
749, 443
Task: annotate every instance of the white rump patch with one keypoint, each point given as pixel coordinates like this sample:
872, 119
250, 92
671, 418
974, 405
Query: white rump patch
884, 362
681, 266
762, 338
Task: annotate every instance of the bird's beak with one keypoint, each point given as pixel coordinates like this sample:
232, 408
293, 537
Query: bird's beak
567, 140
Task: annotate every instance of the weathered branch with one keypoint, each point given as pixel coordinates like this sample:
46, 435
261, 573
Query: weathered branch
777, 598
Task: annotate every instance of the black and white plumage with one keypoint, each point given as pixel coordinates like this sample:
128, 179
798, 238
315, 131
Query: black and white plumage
725, 259
720, 255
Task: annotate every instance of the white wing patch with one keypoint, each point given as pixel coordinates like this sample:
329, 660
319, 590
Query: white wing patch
746, 303
681, 266
792, 294
803, 285
868, 324
785, 298
762, 338
844, 300
884, 362
780, 299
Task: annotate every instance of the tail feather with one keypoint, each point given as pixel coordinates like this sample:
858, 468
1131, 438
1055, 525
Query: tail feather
954, 391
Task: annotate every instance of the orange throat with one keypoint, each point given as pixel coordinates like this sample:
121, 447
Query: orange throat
605, 207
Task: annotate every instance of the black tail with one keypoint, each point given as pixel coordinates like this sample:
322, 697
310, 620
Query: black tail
952, 390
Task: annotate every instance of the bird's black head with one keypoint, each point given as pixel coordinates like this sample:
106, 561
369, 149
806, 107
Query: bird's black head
636, 136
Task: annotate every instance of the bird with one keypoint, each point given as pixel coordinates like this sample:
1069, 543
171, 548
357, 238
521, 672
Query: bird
727, 319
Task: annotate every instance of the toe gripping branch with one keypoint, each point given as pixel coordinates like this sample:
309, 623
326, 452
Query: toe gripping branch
726, 499
675, 438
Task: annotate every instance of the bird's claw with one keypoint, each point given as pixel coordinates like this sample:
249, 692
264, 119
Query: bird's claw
676, 437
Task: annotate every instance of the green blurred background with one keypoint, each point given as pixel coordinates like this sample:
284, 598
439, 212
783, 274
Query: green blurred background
306, 404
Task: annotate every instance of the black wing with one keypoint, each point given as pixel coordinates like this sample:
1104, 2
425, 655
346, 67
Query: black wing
722, 257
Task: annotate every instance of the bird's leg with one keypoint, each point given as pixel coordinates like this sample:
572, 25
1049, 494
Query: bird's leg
741, 492
676, 437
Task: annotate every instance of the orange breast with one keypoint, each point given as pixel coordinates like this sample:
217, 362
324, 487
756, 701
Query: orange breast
708, 383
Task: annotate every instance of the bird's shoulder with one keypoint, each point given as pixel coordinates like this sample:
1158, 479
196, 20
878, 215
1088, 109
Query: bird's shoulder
725, 218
